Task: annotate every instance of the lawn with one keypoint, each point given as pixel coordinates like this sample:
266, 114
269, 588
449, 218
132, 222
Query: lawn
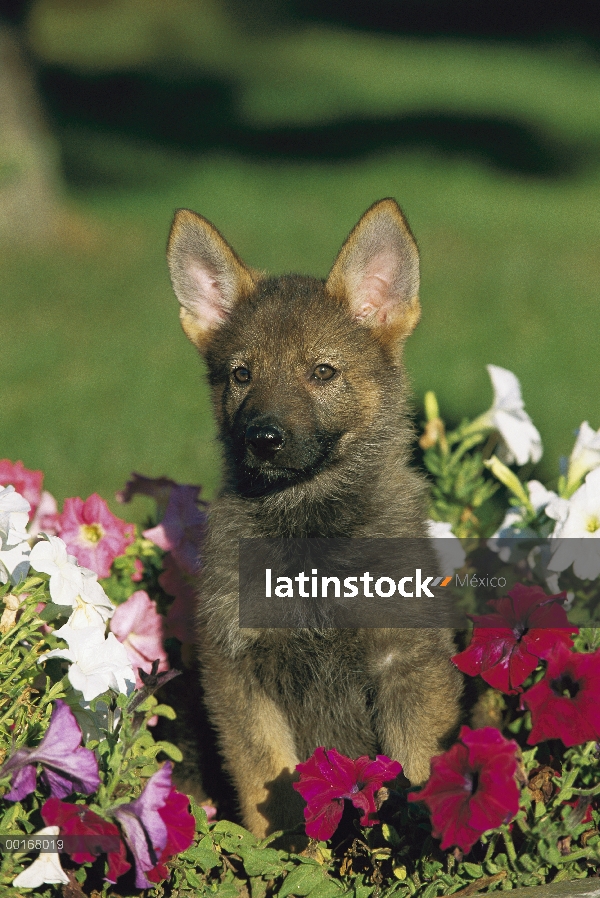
491, 150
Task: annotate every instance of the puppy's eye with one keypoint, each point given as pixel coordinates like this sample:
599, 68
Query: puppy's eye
242, 375
324, 372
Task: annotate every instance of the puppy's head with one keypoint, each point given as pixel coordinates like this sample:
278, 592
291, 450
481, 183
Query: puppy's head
299, 367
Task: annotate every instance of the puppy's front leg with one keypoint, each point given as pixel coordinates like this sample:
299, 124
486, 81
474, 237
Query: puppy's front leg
417, 695
258, 749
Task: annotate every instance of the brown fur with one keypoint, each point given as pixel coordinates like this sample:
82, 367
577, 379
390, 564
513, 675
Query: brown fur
274, 695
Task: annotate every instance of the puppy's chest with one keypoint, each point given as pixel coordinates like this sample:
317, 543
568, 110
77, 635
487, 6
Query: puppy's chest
323, 690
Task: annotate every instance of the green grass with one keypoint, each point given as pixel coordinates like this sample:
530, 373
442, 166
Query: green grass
97, 378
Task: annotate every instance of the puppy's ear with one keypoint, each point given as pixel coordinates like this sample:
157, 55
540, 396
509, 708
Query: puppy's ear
207, 276
377, 272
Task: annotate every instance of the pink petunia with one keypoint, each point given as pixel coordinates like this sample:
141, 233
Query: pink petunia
507, 645
472, 787
138, 625
182, 527
46, 518
93, 534
566, 703
26, 482
328, 777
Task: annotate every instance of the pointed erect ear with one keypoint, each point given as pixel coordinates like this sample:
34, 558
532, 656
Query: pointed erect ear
377, 272
207, 276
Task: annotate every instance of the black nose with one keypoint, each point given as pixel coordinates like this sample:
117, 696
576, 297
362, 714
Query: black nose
264, 439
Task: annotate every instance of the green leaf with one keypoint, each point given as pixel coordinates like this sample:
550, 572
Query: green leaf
169, 749
261, 861
302, 880
328, 889
193, 879
473, 870
52, 611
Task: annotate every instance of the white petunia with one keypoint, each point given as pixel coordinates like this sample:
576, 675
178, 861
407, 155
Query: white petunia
97, 664
576, 536
521, 439
585, 455
14, 514
505, 541
450, 552
14, 563
92, 607
14, 548
45, 869
66, 579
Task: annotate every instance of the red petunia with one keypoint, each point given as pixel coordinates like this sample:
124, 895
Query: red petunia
328, 777
472, 787
93, 534
507, 645
566, 703
87, 835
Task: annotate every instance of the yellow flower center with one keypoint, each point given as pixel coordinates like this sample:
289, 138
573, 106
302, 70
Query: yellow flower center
593, 524
92, 533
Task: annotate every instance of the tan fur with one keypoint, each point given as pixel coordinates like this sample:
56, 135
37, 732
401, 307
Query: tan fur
342, 470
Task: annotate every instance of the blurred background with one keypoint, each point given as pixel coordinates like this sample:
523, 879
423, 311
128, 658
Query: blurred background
282, 121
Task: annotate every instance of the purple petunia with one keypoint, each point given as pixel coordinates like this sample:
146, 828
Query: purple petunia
67, 766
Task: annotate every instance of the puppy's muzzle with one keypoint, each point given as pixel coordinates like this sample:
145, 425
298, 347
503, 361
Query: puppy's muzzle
264, 440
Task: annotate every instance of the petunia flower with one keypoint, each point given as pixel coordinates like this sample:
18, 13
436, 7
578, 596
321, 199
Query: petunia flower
472, 787
93, 534
585, 455
87, 835
45, 869
139, 627
509, 540
182, 528
26, 482
157, 825
67, 766
180, 616
92, 607
50, 556
14, 548
157, 488
46, 518
520, 438
566, 703
508, 644
328, 777
97, 664
450, 552
576, 536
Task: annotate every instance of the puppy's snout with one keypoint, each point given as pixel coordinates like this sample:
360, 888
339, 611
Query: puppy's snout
264, 439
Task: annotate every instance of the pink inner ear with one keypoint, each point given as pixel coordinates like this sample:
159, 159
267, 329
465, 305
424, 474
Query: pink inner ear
373, 289
209, 304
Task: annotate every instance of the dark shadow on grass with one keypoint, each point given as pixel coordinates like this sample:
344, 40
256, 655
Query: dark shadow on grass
197, 114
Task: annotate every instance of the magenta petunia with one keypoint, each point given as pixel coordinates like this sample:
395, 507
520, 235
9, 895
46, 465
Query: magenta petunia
26, 482
67, 766
507, 645
93, 534
88, 835
472, 787
138, 625
328, 777
566, 703
156, 825
182, 527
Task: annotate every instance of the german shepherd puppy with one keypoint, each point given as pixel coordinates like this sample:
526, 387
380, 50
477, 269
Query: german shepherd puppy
310, 398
